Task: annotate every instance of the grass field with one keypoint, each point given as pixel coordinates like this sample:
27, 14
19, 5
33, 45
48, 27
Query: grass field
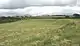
41, 32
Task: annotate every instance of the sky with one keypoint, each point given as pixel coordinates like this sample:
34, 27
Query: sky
40, 7
13, 4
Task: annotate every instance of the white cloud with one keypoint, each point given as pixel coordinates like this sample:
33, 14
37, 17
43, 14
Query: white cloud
43, 10
67, 10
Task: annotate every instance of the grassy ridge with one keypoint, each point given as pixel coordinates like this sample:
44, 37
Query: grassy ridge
40, 32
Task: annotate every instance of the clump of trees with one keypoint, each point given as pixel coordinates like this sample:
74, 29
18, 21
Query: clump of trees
76, 15
9, 19
66, 16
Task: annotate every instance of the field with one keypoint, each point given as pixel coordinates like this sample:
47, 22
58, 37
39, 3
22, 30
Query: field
41, 32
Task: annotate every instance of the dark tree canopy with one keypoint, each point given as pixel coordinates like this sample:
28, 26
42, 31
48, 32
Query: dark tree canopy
76, 15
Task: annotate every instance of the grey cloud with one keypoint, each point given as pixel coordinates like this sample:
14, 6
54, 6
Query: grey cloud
13, 4
52, 2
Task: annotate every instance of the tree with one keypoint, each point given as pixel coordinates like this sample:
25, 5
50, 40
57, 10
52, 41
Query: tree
66, 16
76, 15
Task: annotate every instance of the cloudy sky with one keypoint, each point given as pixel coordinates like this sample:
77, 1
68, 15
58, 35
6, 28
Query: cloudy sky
25, 3
39, 7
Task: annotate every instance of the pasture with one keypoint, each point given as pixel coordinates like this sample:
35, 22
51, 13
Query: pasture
41, 32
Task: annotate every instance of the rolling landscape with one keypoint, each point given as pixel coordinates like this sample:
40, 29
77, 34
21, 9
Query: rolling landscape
39, 22
40, 32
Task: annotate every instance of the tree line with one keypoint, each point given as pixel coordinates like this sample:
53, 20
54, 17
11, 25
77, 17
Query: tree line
8, 19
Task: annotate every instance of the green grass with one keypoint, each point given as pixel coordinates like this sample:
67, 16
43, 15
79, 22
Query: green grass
41, 32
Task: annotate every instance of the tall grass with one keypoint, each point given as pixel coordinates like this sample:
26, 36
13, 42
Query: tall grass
40, 32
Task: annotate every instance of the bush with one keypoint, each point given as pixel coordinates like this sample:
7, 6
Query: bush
67, 17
